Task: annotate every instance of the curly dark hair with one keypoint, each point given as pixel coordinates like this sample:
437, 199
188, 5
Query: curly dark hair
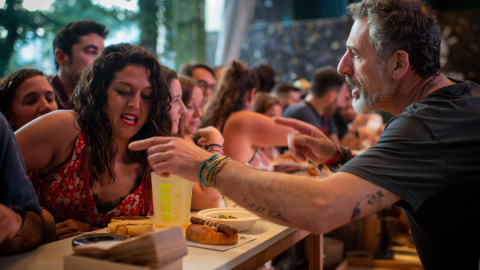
408, 25
236, 81
90, 97
168, 75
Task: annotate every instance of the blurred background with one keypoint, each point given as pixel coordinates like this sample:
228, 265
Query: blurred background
294, 36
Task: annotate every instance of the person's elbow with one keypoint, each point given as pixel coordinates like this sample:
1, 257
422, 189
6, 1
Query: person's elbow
322, 218
29, 237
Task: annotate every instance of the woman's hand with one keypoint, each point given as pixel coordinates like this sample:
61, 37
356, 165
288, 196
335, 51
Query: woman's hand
210, 135
70, 227
308, 142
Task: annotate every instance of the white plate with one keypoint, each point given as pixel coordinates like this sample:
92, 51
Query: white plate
244, 219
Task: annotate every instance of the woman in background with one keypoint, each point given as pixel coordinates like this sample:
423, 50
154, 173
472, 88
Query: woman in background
230, 111
270, 106
187, 98
177, 107
210, 138
267, 104
26, 94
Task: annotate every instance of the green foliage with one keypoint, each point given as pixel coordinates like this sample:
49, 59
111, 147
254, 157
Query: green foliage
18, 24
166, 19
148, 20
184, 21
74, 10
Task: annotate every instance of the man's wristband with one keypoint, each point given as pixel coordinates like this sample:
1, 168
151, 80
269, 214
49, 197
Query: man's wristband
335, 157
345, 156
341, 157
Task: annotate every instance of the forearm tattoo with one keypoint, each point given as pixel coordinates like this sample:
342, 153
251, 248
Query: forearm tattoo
375, 199
372, 199
262, 210
356, 212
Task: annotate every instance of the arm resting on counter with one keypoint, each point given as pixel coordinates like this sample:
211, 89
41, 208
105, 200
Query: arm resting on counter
16, 237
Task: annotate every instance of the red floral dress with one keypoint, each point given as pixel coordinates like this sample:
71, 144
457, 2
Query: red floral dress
62, 192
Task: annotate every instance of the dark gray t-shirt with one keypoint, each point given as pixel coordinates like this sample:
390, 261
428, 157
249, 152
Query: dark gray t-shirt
430, 157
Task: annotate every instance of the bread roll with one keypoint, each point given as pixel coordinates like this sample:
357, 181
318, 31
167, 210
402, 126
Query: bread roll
130, 225
206, 235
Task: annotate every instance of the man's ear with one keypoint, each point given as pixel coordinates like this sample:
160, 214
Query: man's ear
251, 95
61, 57
398, 64
332, 96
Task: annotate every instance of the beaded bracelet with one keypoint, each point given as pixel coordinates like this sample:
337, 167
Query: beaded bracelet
204, 164
212, 179
210, 171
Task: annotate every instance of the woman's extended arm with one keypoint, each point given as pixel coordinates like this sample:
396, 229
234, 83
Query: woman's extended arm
245, 129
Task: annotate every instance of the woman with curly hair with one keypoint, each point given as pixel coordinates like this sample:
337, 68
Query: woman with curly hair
85, 173
244, 131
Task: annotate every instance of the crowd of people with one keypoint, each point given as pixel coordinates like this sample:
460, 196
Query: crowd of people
78, 148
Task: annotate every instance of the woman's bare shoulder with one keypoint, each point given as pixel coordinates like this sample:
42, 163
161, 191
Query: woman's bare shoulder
243, 114
247, 118
58, 123
47, 141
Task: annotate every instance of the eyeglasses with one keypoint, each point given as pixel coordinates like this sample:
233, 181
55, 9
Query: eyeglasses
204, 85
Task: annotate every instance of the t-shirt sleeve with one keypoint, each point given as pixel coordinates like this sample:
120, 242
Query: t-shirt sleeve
302, 113
406, 161
15, 187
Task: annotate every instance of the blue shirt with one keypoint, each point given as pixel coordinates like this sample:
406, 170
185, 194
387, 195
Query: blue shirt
15, 187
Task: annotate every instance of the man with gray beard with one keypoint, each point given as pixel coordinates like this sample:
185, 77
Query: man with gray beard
426, 161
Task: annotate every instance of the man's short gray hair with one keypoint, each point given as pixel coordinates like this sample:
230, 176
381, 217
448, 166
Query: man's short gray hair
408, 25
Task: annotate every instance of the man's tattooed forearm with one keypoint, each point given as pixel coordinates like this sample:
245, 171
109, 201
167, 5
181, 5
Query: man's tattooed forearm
375, 199
261, 210
356, 212
276, 215
372, 199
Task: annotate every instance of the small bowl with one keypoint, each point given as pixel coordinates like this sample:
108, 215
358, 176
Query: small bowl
244, 220
97, 237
